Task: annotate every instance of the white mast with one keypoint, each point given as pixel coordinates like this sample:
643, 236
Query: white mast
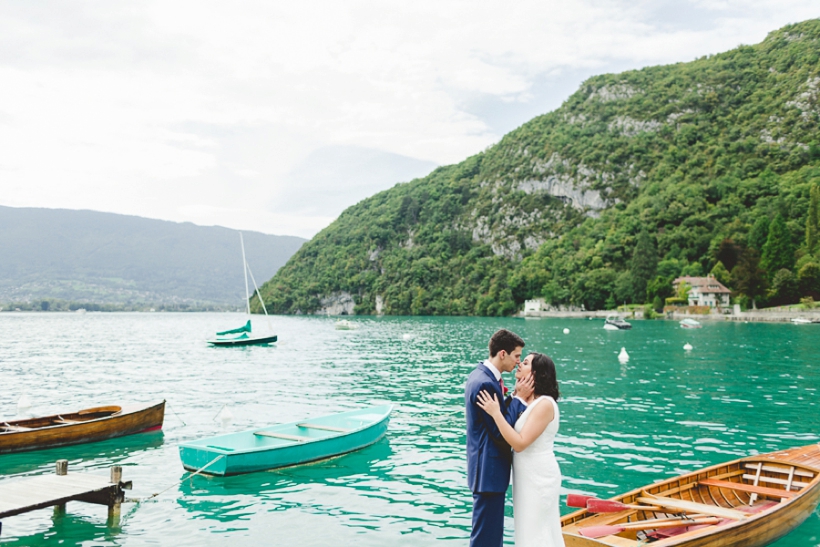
245, 271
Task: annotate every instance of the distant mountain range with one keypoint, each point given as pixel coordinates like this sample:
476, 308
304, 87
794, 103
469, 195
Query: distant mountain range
637, 178
105, 258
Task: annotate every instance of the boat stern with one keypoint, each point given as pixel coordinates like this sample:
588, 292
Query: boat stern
209, 460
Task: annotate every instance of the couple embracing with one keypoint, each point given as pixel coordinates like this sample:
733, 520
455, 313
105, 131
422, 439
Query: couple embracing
516, 431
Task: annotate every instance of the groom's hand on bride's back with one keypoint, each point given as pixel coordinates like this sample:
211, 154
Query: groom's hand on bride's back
525, 388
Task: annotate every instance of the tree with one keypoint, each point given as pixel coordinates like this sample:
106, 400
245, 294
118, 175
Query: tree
808, 280
812, 220
784, 288
722, 274
778, 253
624, 288
748, 277
728, 254
683, 290
594, 288
759, 233
669, 268
658, 290
644, 264
659, 287
695, 269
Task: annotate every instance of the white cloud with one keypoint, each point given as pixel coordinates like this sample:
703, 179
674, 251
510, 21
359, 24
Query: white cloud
152, 107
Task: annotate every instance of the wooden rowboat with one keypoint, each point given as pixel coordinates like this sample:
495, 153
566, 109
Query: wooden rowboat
86, 426
286, 444
750, 502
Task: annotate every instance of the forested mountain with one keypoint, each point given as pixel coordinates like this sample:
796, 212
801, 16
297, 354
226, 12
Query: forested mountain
94, 257
637, 178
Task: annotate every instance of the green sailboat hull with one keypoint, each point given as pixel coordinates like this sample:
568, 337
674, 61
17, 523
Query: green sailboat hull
285, 445
243, 341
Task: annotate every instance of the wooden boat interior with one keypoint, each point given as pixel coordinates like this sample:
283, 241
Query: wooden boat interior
734, 492
71, 418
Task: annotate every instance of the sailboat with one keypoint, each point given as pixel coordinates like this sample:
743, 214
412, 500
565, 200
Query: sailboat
243, 336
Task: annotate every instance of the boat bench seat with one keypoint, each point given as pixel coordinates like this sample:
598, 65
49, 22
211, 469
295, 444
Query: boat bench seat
8, 427
324, 427
285, 436
742, 487
694, 507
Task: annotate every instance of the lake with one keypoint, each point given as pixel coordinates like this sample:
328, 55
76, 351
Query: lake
743, 389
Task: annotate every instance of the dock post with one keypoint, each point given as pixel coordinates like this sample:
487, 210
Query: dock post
114, 508
61, 468
116, 474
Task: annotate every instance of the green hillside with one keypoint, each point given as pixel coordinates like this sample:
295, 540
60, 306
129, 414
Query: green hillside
637, 178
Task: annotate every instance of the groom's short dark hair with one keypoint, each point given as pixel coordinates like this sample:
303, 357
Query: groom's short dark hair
505, 340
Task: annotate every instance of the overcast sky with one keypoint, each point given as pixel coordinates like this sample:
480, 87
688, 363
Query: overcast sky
275, 116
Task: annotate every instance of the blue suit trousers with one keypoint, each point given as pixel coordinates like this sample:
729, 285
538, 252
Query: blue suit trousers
488, 520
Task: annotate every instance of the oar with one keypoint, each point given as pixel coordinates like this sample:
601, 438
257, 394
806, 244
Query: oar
578, 500
601, 531
596, 505
611, 506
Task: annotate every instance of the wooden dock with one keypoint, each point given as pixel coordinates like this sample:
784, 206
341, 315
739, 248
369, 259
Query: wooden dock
24, 495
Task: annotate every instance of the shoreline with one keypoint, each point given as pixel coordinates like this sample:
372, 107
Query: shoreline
752, 316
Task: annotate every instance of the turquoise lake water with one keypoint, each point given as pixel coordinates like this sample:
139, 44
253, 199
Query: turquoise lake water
744, 388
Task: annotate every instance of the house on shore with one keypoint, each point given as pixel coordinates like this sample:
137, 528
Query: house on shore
534, 306
705, 291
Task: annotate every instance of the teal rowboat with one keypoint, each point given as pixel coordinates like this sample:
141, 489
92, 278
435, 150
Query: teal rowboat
286, 444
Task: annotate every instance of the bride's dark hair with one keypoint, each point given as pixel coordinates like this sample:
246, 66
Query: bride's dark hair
543, 374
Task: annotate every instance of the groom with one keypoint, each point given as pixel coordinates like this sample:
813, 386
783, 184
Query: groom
488, 454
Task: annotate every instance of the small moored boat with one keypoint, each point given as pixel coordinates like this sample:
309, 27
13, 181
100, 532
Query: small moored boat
286, 444
689, 324
750, 502
344, 324
86, 426
243, 336
801, 321
615, 322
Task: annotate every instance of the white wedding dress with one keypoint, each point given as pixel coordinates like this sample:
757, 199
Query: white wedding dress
536, 486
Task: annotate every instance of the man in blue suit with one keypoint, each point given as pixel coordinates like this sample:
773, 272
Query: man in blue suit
488, 455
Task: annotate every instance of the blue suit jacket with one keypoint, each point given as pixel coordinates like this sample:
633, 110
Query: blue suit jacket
488, 454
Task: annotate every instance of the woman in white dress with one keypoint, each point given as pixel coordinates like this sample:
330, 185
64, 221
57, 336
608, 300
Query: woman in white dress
536, 475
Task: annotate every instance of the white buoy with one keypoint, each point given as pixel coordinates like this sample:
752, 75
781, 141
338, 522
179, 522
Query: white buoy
623, 357
23, 404
566, 331
687, 346
407, 336
225, 417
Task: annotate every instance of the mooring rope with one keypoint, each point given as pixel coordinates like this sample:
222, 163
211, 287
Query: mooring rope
175, 413
217, 414
192, 475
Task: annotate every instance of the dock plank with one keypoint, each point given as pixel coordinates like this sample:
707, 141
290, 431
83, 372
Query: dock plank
20, 496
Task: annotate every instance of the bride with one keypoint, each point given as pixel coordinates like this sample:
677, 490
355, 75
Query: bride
536, 475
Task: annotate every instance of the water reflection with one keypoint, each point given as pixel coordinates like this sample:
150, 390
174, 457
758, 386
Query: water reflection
83, 456
68, 530
225, 498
